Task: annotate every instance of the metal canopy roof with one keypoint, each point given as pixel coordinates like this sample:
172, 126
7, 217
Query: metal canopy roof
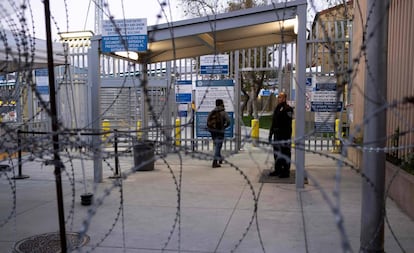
13, 52
248, 28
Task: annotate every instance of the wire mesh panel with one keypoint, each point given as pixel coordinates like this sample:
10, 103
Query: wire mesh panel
119, 107
328, 54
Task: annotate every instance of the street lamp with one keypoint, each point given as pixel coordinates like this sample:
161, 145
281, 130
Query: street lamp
76, 38
128, 55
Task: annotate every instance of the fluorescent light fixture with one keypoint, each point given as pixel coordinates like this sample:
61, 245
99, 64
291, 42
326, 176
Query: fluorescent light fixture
128, 54
295, 27
75, 35
292, 22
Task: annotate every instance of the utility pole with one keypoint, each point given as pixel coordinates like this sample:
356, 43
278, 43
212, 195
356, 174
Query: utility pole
55, 127
98, 16
300, 98
373, 202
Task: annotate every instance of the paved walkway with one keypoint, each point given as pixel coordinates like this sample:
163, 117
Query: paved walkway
184, 205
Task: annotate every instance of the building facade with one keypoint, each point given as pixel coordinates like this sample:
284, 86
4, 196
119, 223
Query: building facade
400, 75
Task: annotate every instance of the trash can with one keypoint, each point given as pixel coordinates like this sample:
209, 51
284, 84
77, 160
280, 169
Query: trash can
144, 156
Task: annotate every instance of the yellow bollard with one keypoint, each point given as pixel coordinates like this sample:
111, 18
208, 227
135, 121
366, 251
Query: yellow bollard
255, 131
139, 133
337, 146
177, 132
293, 132
106, 127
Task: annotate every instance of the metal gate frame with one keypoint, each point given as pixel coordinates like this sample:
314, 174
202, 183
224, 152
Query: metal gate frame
324, 38
106, 72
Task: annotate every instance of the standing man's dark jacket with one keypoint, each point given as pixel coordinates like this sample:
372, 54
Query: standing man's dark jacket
217, 121
280, 134
225, 120
281, 128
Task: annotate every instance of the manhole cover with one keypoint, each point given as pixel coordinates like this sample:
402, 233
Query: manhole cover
49, 243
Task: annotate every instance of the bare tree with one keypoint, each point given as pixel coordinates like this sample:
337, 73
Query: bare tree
200, 8
251, 81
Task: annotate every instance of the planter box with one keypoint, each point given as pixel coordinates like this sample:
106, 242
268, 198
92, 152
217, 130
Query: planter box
355, 156
401, 189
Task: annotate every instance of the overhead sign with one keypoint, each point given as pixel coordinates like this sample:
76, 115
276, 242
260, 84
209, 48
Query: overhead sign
214, 64
124, 35
324, 97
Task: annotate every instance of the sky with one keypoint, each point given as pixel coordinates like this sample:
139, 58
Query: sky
81, 13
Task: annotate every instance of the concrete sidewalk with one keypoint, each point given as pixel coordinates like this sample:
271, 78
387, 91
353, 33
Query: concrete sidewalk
184, 205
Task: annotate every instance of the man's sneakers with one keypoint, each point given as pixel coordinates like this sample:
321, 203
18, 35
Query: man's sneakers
216, 164
274, 173
277, 173
284, 175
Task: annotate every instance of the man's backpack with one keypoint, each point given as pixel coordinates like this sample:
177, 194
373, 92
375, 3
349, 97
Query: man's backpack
215, 121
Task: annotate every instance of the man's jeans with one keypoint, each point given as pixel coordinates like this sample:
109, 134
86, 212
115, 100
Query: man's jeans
282, 156
218, 144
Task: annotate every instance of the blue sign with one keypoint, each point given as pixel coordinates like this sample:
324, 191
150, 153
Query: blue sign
184, 82
183, 91
201, 127
183, 98
44, 90
211, 83
41, 72
214, 70
182, 114
42, 81
266, 93
135, 43
214, 64
324, 127
124, 35
325, 87
309, 81
326, 106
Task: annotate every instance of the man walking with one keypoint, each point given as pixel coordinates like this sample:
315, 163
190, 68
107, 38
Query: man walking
279, 135
217, 121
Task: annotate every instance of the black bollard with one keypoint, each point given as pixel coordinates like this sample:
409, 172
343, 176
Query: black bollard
116, 173
19, 158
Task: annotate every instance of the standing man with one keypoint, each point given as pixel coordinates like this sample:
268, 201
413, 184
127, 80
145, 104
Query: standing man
217, 121
279, 135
